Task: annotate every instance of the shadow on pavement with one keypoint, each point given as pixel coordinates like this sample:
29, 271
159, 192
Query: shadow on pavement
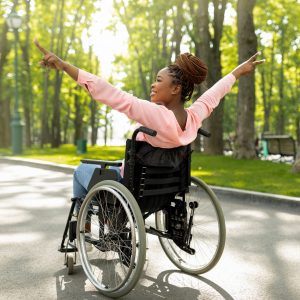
171, 284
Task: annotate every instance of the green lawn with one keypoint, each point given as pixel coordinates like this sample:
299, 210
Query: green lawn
256, 175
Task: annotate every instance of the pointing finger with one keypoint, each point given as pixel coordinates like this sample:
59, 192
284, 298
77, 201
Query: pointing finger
258, 62
42, 49
253, 58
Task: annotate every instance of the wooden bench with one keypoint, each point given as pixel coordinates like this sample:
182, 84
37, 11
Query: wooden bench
283, 145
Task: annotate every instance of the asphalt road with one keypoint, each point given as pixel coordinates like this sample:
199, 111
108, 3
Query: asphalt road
261, 258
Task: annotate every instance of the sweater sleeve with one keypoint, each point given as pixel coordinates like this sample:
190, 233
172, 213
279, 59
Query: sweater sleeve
209, 100
144, 112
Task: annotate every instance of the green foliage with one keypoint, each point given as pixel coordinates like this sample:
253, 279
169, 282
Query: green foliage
155, 29
147, 20
278, 30
59, 26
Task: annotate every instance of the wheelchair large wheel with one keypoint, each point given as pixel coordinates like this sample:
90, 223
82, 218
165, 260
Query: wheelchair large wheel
208, 231
111, 238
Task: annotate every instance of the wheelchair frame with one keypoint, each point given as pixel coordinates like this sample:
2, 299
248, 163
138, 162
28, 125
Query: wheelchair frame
173, 223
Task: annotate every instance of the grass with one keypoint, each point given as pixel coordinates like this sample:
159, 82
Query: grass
255, 175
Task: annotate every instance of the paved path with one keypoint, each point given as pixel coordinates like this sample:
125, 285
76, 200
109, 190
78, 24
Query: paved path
261, 258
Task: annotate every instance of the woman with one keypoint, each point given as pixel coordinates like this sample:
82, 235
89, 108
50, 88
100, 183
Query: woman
165, 113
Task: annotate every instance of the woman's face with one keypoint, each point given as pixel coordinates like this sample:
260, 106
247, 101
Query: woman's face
162, 90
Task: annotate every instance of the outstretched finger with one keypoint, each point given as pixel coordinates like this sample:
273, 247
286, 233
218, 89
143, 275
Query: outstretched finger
253, 58
42, 49
258, 62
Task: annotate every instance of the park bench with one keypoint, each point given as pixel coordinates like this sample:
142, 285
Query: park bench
282, 145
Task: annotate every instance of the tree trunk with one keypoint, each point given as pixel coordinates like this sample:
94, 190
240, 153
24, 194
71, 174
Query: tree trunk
55, 125
267, 97
177, 36
296, 166
55, 128
78, 124
94, 106
245, 141
94, 122
214, 124
208, 49
45, 130
106, 125
298, 129
27, 88
281, 113
4, 101
145, 89
66, 123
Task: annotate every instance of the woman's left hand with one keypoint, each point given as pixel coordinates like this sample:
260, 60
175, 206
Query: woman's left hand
248, 66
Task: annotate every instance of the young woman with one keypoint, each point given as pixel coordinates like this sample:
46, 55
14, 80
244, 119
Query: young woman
165, 112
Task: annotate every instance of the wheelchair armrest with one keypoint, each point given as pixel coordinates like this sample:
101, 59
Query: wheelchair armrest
102, 163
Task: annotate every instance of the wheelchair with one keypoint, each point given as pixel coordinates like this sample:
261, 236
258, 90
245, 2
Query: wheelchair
109, 232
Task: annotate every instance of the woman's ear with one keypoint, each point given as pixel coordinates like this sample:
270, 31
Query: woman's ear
176, 89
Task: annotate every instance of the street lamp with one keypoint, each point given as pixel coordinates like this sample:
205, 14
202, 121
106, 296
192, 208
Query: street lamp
14, 22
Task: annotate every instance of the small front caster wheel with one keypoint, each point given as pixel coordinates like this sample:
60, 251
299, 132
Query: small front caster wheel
70, 264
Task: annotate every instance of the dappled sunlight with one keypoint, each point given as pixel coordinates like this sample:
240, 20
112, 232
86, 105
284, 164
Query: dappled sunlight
239, 184
34, 200
255, 214
202, 173
10, 216
238, 226
288, 251
256, 263
287, 217
253, 270
17, 238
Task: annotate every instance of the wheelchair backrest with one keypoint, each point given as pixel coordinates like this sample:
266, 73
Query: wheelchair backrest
155, 175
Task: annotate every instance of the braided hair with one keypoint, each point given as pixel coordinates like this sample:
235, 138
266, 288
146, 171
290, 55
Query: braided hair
187, 71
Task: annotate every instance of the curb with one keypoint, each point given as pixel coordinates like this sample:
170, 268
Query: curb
41, 164
242, 195
256, 197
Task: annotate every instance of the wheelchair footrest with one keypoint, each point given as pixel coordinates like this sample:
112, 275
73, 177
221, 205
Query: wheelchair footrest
64, 249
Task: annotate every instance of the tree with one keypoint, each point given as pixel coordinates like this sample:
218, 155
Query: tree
5, 102
245, 140
207, 46
27, 93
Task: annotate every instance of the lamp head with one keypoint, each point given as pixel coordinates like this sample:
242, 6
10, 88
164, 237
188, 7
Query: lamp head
14, 21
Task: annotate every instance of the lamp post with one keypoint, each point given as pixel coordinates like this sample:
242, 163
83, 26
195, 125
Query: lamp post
14, 22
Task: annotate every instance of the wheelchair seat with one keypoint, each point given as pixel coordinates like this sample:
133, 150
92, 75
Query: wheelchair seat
155, 175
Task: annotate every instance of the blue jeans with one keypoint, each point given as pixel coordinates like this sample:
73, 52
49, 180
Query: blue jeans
82, 177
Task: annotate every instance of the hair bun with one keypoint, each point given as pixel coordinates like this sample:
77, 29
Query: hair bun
194, 68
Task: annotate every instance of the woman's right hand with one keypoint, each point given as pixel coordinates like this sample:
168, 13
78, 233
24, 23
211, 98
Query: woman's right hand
50, 60
248, 66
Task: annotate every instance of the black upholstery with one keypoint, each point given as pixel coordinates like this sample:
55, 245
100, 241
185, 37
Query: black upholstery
156, 175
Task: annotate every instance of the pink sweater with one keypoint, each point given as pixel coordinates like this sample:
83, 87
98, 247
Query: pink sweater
158, 117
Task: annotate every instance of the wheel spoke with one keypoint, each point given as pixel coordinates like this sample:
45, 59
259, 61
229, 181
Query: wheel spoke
116, 227
208, 231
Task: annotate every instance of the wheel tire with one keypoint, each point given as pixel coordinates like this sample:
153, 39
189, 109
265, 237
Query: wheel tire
109, 267
70, 264
208, 231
